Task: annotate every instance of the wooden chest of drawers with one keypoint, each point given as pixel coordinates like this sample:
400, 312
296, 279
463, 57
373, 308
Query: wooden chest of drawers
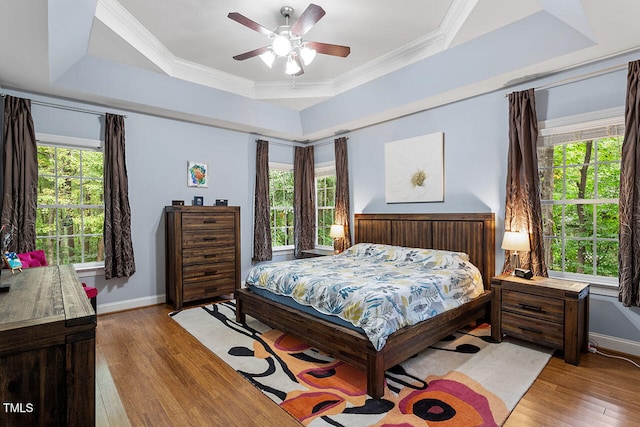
549, 312
203, 252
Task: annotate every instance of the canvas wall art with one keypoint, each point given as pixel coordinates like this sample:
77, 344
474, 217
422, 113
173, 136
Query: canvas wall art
197, 174
414, 169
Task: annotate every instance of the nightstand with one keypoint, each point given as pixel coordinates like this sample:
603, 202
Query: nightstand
312, 253
550, 312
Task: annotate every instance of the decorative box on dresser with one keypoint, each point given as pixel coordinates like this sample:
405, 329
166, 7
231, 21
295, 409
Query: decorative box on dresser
47, 349
550, 312
203, 252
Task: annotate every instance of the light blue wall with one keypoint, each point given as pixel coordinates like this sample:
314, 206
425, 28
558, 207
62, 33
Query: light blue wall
476, 140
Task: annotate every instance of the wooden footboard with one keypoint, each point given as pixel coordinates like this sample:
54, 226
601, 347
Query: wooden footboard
353, 347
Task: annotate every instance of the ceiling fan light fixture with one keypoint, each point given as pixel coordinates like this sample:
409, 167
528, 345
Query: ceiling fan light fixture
281, 45
307, 55
292, 66
268, 57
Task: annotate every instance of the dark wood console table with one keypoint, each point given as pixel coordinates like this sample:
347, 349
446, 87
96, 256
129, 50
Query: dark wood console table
47, 349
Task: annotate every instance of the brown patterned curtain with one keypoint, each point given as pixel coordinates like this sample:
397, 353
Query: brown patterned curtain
261, 221
342, 209
118, 259
20, 175
304, 200
522, 207
629, 206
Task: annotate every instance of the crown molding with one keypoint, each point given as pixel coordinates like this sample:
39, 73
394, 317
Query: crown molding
126, 26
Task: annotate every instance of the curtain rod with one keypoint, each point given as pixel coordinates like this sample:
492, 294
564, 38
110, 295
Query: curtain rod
65, 107
300, 144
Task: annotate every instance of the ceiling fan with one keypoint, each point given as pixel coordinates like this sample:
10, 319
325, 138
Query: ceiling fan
287, 40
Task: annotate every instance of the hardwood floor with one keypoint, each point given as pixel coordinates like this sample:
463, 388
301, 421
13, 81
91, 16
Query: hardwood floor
165, 377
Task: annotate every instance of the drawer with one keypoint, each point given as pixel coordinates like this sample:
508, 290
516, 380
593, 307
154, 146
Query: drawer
221, 238
208, 288
202, 272
536, 306
534, 330
208, 254
211, 221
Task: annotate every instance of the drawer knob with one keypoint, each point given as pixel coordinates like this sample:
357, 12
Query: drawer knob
210, 221
209, 239
530, 307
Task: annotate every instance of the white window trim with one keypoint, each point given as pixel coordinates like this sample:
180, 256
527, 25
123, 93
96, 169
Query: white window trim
572, 124
86, 269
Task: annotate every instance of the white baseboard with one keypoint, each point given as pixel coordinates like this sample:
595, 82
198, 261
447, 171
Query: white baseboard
616, 344
130, 304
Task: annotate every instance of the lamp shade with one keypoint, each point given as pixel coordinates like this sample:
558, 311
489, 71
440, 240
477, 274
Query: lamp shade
337, 231
515, 241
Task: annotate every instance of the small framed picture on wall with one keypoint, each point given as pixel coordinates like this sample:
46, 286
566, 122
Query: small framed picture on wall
197, 174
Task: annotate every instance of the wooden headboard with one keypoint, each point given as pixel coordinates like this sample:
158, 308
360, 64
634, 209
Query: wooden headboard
472, 233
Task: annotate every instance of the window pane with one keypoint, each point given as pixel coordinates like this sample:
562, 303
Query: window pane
46, 160
609, 180
610, 149
92, 164
607, 223
70, 249
93, 220
92, 191
68, 191
45, 222
93, 249
578, 257
580, 182
69, 221
607, 263
68, 162
579, 153
553, 253
46, 190
578, 220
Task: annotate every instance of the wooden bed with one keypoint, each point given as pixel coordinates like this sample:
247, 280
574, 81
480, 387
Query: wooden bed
472, 233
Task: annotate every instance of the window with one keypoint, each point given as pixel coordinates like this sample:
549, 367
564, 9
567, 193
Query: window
281, 203
579, 185
325, 204
70, 206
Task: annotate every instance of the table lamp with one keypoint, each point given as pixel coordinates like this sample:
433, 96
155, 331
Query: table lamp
515, 241
336, 232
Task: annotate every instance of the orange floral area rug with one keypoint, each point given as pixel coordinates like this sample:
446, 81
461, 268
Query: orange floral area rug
464, 380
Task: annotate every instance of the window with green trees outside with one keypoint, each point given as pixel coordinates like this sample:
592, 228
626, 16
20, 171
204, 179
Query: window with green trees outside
70, 206
579, 184
325, 202
281, 205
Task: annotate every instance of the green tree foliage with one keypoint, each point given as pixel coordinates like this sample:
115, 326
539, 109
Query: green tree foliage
70, 212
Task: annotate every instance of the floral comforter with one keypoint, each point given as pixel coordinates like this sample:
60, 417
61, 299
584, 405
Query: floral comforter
379, 288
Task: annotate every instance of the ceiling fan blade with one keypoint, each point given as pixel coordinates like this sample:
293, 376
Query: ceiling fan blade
251, 53
241, 19
330, 49
312, 14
